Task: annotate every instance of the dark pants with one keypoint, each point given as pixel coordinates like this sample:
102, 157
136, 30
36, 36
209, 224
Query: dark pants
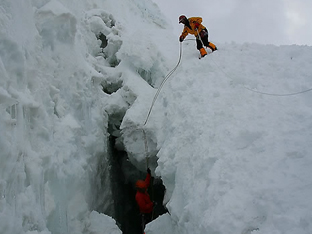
146, 218
204, 37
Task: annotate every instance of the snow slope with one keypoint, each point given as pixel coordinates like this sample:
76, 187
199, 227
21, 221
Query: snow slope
232, 160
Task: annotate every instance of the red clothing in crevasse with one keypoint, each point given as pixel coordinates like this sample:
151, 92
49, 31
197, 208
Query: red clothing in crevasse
143, 199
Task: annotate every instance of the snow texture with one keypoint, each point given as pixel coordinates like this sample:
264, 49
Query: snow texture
229, 135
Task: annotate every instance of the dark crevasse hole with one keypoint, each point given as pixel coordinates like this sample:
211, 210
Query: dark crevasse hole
103, 39
123, 177
146, 75
117, 177
126, 212
110, 88
109, 49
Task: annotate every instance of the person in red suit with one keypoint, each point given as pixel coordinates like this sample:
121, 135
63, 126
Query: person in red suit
143, 199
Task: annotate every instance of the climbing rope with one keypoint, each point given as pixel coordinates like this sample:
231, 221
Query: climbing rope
153, 102
199, 37
276, 94
146, 147
162, 84
265, 93
168, 76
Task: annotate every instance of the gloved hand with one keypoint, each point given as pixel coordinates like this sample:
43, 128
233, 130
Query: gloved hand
181, 38
148, 171
196, 25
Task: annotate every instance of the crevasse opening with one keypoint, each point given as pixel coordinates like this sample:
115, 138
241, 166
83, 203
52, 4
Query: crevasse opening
122, 176
114, 190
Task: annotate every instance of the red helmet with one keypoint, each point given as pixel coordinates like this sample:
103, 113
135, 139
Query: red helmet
140, 184
182, 19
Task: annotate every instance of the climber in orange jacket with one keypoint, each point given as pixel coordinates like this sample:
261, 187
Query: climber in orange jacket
193, 26
143, 199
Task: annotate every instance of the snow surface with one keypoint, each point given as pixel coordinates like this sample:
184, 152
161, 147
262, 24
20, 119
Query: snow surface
233, 160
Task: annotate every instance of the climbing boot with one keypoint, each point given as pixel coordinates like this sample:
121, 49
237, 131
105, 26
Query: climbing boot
203, 52
212, 46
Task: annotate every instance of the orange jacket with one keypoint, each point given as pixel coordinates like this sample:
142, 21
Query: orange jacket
192, 30
143, 199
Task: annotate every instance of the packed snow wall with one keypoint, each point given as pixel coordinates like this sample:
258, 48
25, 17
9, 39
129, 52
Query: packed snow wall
69, 72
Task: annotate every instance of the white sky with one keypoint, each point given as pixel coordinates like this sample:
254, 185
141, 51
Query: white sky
267, 22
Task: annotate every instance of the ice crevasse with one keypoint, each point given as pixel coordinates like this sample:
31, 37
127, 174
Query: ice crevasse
76, 74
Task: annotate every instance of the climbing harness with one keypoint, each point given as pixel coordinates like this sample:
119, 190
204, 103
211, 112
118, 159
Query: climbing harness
199, 37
